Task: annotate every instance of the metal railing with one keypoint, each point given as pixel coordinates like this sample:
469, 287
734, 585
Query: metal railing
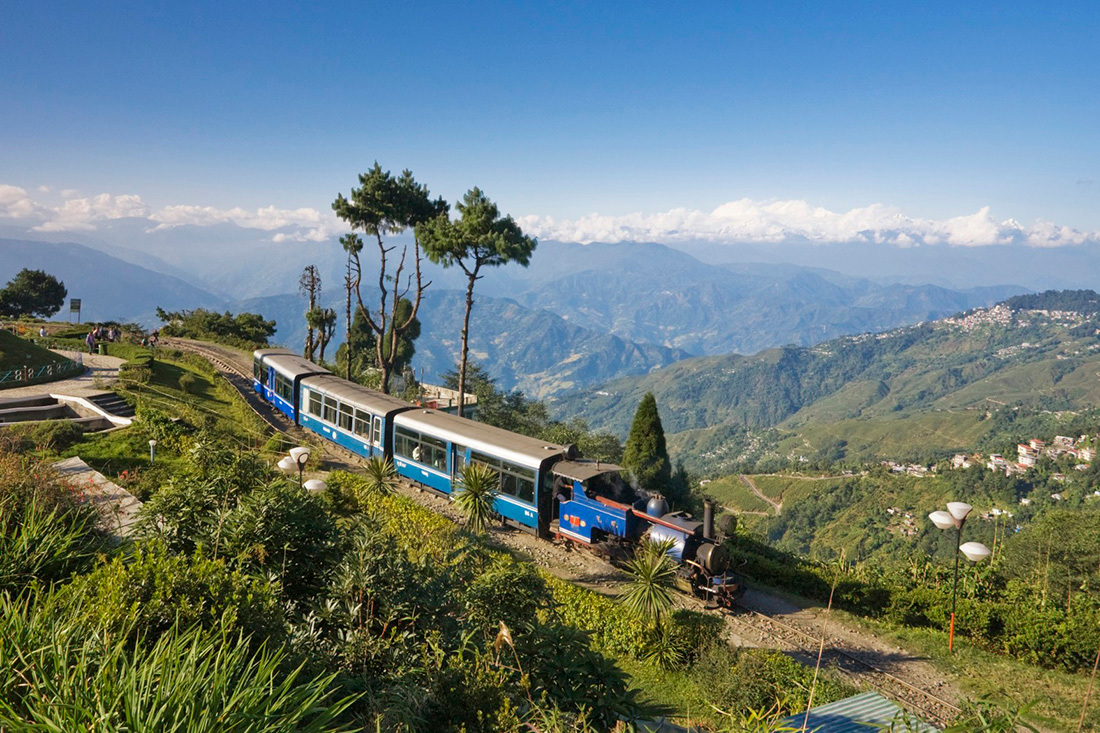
27, 374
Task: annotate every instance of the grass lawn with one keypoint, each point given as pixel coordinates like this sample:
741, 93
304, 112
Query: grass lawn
184, 387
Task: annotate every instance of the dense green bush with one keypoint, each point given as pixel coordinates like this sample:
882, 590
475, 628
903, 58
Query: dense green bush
139, 368
152, 591
245, 330
760, 679
510, 592
281, 530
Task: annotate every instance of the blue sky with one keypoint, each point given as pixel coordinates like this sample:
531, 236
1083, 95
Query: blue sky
559, 109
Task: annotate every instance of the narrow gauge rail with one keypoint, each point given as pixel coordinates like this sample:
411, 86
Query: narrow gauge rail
927, 704
917, 700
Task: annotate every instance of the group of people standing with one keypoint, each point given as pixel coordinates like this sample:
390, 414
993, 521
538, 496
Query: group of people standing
101, 333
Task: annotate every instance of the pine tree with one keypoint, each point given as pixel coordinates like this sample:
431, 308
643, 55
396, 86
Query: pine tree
646, 456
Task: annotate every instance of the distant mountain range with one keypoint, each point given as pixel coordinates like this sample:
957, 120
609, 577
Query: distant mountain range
109, 288
651, 293
579, 315
905, 393
532, 350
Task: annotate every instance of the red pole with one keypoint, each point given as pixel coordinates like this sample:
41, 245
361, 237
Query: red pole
951, 635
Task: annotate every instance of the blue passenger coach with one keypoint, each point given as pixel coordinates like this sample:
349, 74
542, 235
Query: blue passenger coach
352, 416
277, 376
434, 447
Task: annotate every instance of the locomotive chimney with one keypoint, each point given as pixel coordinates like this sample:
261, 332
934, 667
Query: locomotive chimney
708, 519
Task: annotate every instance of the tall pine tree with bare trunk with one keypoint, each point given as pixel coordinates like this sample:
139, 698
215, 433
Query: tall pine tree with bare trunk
480, 238
352, 244
383, 205
309, 284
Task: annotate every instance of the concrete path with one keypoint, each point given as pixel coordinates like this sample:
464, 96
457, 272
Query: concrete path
101, 370
116, 505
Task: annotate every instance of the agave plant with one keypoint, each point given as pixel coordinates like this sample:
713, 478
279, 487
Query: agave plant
380, 476
475, 495
651, 572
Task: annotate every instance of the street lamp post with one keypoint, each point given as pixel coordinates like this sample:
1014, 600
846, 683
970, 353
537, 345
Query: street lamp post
300, 456
152, 450
955, 516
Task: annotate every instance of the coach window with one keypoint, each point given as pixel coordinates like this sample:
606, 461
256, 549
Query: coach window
257, 370
515, 480
377, 430
362, 424
330, 410
283, 387
347, 416
314, 404
421, 448
433, 452
404, 441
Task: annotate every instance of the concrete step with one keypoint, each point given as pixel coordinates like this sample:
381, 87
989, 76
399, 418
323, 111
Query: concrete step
113, 404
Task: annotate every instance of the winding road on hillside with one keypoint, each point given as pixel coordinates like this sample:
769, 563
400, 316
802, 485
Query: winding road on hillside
764, 620
776, 505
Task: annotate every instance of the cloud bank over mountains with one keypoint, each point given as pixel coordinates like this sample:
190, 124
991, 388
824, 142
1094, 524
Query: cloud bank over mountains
742, 221
75, 214
750, 221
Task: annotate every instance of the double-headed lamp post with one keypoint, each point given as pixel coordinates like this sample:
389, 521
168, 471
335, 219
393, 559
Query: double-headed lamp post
295, 461
955, 516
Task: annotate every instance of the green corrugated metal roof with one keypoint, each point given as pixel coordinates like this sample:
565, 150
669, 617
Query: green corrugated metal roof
859, 714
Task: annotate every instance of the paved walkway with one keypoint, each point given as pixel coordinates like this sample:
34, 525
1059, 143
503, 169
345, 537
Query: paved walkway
101, 370
116, 505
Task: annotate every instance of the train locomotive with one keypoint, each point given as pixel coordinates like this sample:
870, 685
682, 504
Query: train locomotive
545, 489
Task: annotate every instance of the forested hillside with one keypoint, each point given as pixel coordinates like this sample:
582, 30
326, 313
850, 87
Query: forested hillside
897, 394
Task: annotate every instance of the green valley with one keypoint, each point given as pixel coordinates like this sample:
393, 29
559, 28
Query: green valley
914, 393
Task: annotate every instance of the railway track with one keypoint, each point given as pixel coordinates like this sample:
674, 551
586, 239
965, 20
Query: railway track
802, 644
927, 705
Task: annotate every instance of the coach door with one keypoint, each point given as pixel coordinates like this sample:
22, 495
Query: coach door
378, 435
458, 462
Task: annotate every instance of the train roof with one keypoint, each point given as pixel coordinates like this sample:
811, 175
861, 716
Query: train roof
584, 470
356, 395
291, 365
261, 353
519, 449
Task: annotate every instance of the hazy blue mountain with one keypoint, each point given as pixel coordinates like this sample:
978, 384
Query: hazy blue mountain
109, 288
532, 350
1032, 268
655, 294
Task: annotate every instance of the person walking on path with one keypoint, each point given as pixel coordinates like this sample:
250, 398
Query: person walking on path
90, 341
42, 332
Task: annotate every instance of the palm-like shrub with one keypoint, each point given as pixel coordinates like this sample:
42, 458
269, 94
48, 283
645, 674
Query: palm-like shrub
651, 572
475, 495
379, 476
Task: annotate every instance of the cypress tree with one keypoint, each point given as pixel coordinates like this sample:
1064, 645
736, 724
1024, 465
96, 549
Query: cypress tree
646, 456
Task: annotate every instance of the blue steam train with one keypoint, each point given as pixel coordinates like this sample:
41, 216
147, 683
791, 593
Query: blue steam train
546, 489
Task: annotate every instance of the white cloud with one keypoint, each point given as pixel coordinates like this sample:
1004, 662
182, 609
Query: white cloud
267, 218
45, 189
83, 214
15, 204
744, 220
749, 220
